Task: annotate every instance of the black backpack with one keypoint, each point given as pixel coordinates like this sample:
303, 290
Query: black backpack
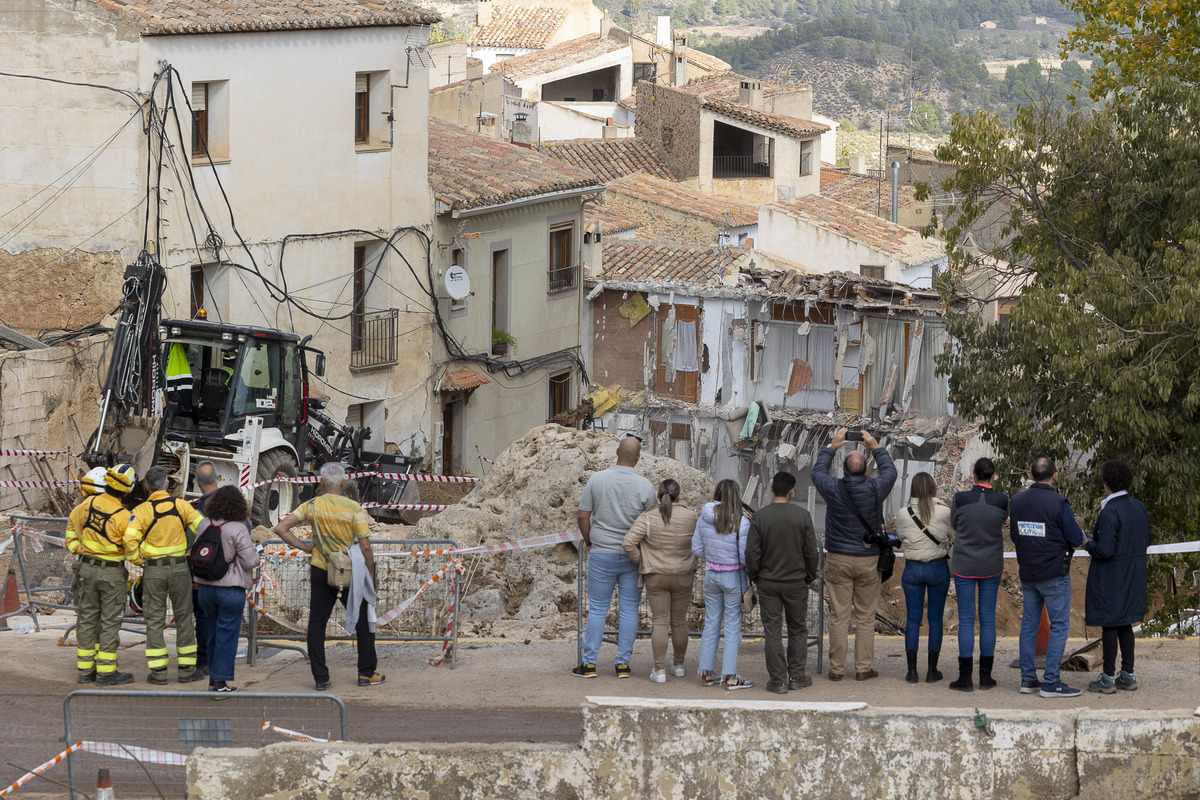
207, 557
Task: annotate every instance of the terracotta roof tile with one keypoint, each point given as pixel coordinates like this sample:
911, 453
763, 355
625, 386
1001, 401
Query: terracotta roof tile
658, 262
864, 193
610, 221
720, 93
679, 198
234, 16
524, 27
867, 229
609, 159
562, 55
469, 170
461, 380
706, 62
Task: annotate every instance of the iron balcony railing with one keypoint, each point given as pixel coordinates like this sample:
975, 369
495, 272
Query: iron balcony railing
373, 338
740, 167
563, 278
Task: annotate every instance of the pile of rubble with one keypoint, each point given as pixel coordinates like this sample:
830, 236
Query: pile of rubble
533, 489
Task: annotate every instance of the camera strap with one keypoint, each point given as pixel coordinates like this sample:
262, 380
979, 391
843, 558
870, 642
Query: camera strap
853, 508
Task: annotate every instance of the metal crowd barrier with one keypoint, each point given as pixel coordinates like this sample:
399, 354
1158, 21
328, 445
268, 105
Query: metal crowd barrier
143, 737
398, 576
751, 627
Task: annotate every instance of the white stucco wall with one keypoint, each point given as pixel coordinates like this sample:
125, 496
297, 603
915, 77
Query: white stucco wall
492, 55
557, 121
785, 169
828, 140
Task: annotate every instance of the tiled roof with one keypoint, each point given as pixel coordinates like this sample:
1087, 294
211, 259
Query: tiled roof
236, 16
628, 102
678, 197
659, 262
516, 26
720, 93
706, 62
566, 54
461, 380
864, 193
610, 221
469, 170
614, 158
864, 228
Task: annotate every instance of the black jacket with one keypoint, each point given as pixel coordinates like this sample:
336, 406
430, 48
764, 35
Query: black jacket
978, 519
1043, 528
844, 534
1116, 583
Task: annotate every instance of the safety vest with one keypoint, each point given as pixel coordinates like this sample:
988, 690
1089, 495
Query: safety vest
179, 372
96, 528
159, 527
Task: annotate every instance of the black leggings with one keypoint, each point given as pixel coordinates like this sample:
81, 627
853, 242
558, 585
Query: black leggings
1109, 639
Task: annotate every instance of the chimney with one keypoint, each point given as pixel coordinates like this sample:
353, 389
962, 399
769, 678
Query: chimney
895, 191
680, 56
662, 32
522, 131
605, 25
858, 164
750, 93
483, 12
610, 130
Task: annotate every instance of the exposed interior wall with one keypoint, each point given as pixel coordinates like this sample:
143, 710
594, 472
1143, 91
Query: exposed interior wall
618, 348
48, 288
45, 397
784, 749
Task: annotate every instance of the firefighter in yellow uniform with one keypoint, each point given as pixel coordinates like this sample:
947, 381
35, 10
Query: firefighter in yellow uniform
95, 532
157, 539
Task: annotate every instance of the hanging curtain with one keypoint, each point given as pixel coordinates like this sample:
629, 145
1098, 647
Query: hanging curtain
929, 390
686, 358
889, 339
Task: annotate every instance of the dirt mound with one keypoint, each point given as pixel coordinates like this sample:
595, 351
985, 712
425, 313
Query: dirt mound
533, 489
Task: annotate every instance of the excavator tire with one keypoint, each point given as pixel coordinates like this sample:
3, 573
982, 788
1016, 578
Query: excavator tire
275, 501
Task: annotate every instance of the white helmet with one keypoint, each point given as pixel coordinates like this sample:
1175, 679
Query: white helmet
93, 482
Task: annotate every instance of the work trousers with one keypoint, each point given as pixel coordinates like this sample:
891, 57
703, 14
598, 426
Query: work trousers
669, 596
100, 598
853, 585
322, 599
161, 581
779, 601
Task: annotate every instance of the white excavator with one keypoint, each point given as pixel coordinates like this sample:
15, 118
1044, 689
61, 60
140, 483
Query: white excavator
178, 392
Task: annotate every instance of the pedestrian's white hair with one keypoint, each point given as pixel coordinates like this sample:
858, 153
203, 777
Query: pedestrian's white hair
333, 476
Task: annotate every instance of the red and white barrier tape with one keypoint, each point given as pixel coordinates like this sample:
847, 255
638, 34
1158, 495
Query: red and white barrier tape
407, 506
38, 484
33, 773
392, 476
4, 452
130, 753
454, 564
441, 659
299, 737
481, 456
37, 536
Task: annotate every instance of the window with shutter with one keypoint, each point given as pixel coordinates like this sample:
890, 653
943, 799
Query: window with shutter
199, 119
362, 108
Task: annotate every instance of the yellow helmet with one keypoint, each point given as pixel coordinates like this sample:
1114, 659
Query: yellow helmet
93, 482
120, 478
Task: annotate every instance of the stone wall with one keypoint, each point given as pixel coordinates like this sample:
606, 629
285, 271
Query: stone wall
750, 749
44, 395
673, 117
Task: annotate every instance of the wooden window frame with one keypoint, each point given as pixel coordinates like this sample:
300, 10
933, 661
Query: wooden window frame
200, 125
687, 384
560, 276
873, 271
806, 157
197, 274
359, 297
362, 110
559, 390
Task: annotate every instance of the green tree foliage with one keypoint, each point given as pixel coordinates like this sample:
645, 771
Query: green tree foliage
1100, 355
1136, 40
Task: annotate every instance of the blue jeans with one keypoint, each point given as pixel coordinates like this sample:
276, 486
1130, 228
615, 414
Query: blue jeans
605, 572
964, 590
1055, 593
920, 577
722, 599
223, 606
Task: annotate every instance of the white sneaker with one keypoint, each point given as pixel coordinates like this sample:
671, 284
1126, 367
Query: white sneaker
658, 676
677, 670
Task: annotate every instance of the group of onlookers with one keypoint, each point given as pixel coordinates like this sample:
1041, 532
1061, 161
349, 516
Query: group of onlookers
642, 536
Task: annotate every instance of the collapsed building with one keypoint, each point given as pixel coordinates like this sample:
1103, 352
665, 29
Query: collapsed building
741, 364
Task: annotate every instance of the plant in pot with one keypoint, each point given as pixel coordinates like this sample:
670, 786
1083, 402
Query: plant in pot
501, 341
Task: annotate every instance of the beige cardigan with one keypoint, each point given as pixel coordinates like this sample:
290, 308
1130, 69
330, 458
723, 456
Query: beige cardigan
916, 545
667, 547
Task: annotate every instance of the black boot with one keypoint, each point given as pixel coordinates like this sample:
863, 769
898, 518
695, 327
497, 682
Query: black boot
985, 672
912, 676
933, 675
964, 684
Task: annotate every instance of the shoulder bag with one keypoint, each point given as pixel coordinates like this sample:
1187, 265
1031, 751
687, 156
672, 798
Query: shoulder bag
925, 530
887, 556
337, 563
750, 595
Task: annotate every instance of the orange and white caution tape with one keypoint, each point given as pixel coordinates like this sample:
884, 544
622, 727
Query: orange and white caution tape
454, 564
394, 476
441, 659
299, 737
407, 506
28, 533
33, 773
130, 753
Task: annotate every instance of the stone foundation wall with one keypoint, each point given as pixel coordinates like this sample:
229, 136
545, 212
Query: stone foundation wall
750, 749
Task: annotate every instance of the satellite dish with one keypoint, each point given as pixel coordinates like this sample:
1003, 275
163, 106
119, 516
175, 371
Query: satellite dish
458, 283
